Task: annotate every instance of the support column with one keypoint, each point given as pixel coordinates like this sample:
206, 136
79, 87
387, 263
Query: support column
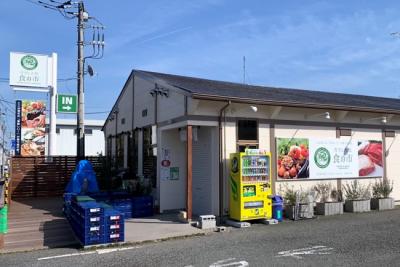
272, 148
338, 181
384, 155
189, 174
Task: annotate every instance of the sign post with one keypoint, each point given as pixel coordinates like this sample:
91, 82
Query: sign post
66, 103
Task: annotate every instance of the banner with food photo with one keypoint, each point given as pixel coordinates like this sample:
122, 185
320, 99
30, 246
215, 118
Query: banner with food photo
370, 158
333, 158
300, 158
33, 122
293, 158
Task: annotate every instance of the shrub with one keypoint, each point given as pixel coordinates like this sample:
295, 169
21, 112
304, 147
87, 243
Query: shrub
336, 195
356, 191
382, 188
290, 195
323, 191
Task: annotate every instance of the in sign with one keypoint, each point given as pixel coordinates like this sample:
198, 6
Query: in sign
66, 103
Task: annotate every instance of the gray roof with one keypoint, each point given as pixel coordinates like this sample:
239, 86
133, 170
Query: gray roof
219, 90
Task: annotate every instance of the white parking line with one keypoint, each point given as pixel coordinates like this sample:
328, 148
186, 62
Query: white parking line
295, 253
66, 255
98, 251
230, 262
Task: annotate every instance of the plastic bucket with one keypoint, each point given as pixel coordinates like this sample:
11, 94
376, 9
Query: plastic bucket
277, 208
4, 220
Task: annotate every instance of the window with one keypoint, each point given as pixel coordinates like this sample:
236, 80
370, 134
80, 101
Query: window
123, 121
247, 134
247, 130
57, 130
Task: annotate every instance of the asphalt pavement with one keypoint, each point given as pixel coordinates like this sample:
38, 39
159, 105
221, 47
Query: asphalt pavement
368, 239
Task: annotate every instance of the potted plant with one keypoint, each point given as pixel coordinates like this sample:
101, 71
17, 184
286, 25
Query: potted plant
380, 195
297, 204
357, 197
329, 200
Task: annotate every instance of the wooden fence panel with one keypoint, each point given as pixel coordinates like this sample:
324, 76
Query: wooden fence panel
36, 177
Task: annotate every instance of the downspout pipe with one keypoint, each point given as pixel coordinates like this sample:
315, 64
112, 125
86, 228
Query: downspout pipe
221, 163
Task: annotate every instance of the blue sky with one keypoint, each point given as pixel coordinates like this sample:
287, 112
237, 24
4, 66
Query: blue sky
339, 46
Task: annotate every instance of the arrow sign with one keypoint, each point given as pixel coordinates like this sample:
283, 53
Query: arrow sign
66, 103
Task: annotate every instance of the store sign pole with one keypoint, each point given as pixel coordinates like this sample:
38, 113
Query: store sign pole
53, 117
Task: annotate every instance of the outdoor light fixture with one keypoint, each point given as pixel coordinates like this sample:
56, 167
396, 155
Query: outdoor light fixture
159, 91
254, 108
383, 119
326, 115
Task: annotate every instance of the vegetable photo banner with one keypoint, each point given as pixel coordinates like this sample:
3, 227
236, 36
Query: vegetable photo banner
303, 158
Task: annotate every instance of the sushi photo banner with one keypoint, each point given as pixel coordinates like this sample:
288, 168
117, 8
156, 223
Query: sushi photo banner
303, 158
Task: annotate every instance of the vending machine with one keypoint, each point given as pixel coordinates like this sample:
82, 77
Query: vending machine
250, 185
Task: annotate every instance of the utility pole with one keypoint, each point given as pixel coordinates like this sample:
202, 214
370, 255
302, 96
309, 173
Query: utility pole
244, 69
71, 10
3, 129
80, 128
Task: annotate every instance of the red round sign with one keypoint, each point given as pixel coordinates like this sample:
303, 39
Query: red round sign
165, 163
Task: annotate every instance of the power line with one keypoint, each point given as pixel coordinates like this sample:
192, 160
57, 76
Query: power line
97, 112
97, 44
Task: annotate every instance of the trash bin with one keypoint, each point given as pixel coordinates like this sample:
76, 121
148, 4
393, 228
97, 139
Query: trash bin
277, 208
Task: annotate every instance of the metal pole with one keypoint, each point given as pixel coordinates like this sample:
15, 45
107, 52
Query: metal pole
2, 150
53, 118
80, 131
3, 129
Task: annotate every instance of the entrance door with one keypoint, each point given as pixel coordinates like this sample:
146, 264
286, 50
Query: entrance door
202, 172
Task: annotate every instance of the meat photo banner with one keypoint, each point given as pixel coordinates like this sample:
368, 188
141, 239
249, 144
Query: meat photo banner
33, 123
303, 158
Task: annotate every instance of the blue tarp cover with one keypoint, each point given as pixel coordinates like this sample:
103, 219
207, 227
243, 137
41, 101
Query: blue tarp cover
84, 171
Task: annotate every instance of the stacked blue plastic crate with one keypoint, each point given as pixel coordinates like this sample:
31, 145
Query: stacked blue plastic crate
142, 206
123, 205
68, 197
114, 226
87, 221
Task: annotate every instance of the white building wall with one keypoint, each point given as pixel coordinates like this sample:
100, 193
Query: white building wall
263, 136
143, 101
66, 142
173, 192
229, 144
125, 108
215, 169
393, 163
170, 107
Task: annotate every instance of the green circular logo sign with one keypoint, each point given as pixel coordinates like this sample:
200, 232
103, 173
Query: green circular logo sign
322, 157
29, 62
